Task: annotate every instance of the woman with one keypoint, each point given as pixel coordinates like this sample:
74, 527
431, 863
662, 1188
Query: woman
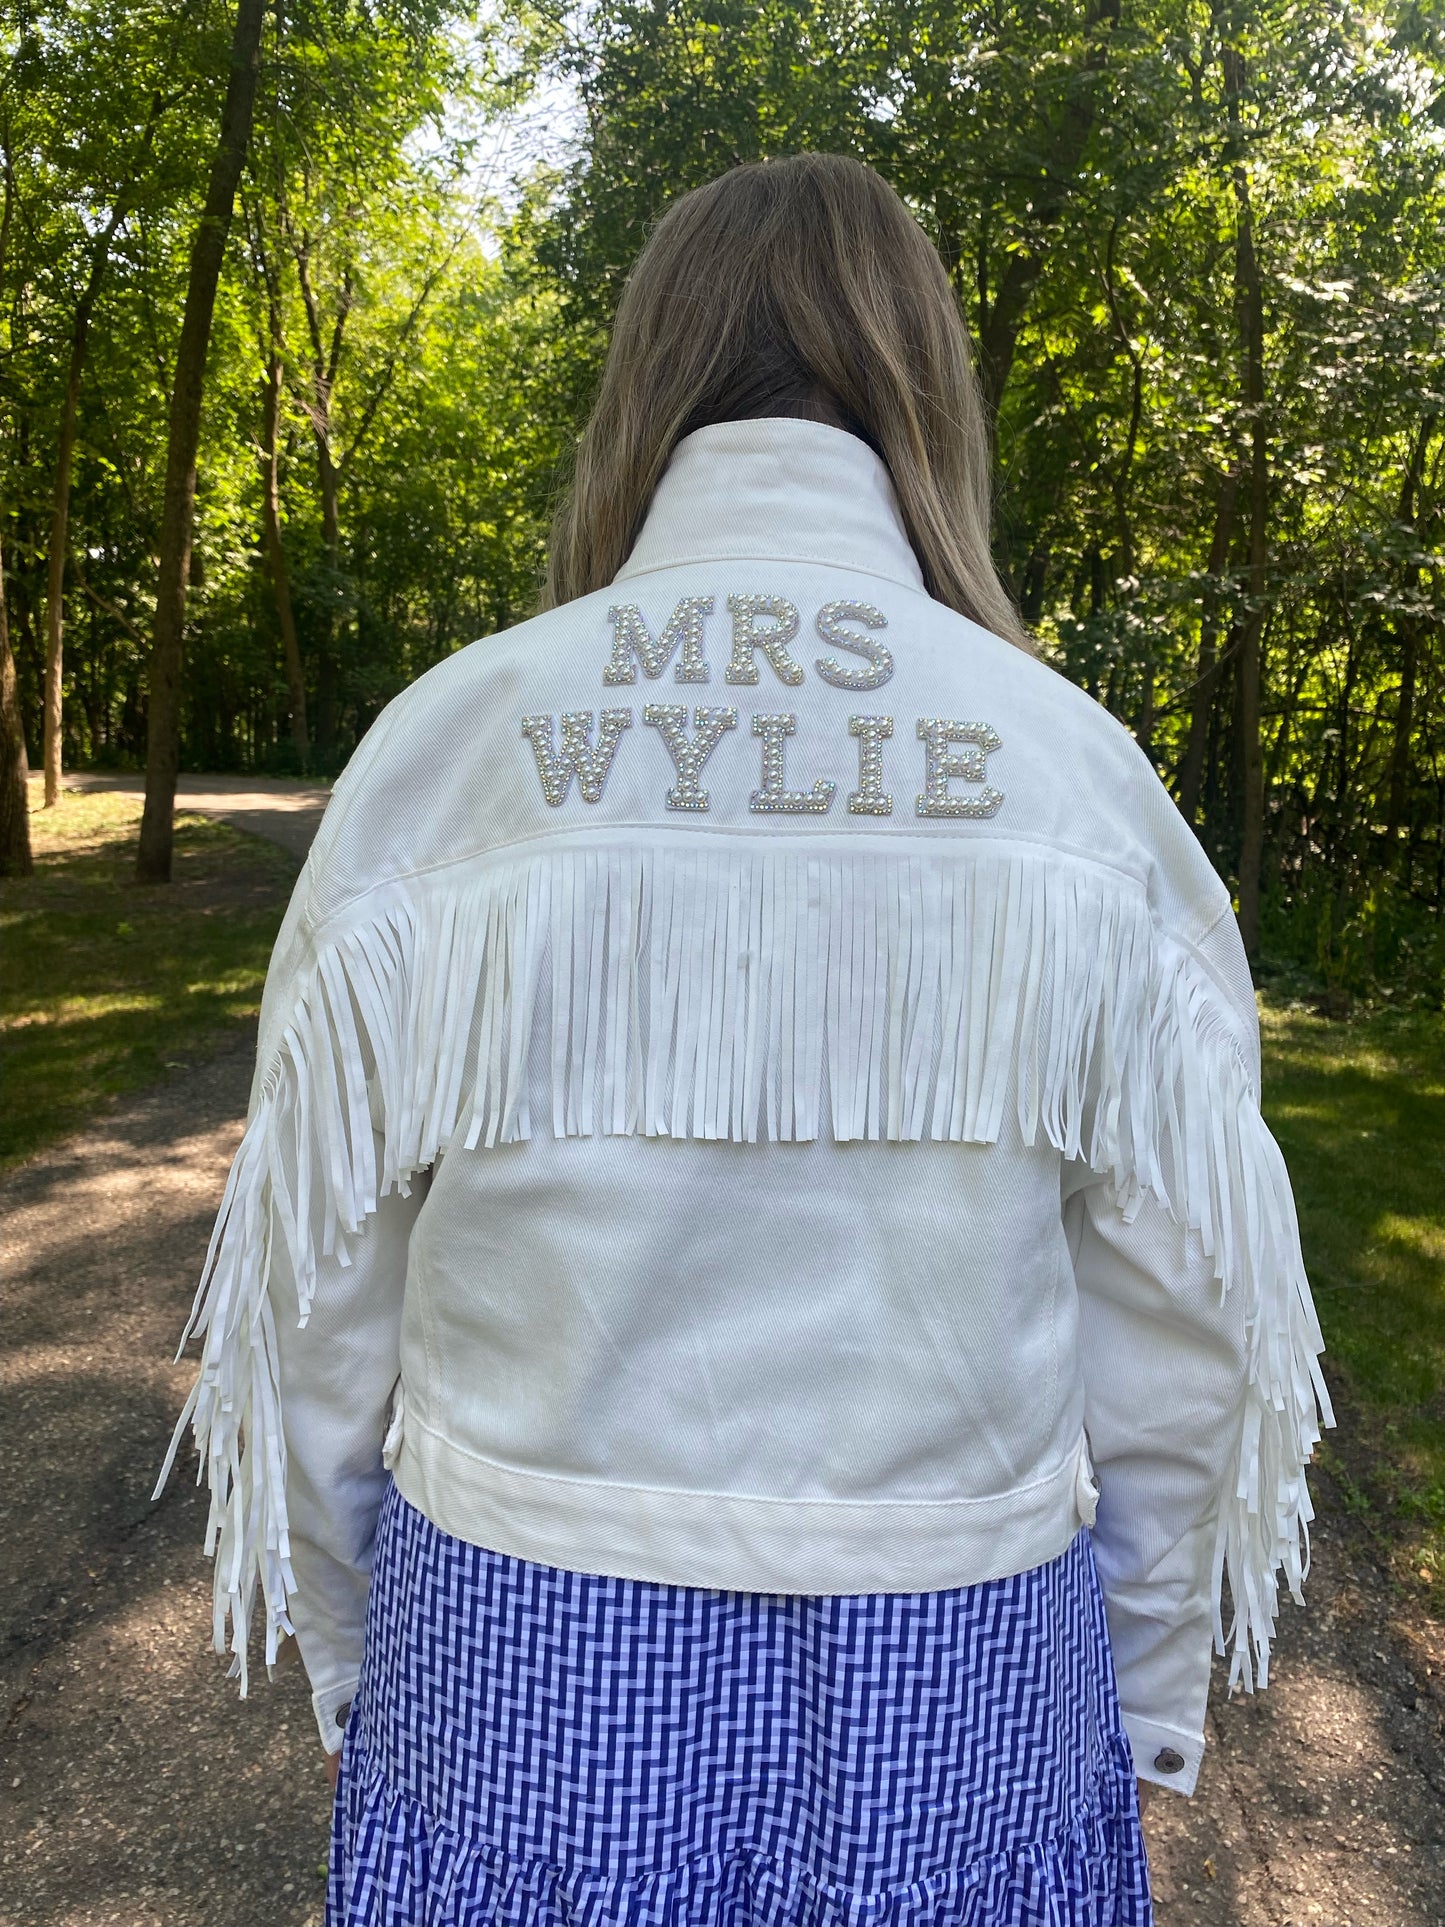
756, 1306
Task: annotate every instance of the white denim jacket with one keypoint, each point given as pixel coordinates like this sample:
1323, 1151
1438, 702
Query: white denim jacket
758, 1088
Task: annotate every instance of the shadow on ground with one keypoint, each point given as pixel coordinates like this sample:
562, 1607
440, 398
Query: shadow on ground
138, 1790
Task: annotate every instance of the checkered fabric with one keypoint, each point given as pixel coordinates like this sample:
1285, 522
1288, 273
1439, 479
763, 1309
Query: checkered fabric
535, 1747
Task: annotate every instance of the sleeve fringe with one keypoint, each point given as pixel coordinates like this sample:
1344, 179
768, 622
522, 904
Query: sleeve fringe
1226, 1177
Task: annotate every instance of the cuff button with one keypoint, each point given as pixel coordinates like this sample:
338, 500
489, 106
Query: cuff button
1166, 1760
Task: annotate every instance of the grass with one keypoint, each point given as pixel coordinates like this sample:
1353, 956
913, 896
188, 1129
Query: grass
1359, 1111
110, 983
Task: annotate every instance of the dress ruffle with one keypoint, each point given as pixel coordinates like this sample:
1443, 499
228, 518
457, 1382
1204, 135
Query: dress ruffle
395, 1865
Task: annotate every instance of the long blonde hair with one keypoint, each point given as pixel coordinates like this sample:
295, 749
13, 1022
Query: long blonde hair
799, 286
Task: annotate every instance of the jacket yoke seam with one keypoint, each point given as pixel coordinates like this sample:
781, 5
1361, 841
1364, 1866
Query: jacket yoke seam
601, 832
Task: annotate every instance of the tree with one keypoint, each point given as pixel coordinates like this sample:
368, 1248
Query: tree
270, 457
129, 167
1201, 248
153, 857
15, 857
15, 860
1249, 300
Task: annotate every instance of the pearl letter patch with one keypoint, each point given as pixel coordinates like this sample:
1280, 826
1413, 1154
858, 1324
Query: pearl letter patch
670, 721
942, 763
748, 638
831, 618
681, 636
577, 756
870, 798
772, 795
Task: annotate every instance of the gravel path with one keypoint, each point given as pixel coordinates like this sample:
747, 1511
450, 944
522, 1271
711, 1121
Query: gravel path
138, 1791
279, 808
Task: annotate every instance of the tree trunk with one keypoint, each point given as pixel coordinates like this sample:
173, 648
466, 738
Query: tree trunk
1342, 842
1035, 582
14, 769
1409, 652
1218, 818
15, 860
1400, 748
275, 549
325, 367
1249, 298
60, 506
1206, 674
1001, 315
331, 536
1292, 680
54, 709
153, 858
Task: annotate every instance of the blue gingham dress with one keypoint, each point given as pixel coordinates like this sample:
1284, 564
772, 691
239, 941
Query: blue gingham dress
536, 1747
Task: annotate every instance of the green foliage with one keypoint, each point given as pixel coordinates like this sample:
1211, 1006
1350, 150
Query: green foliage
1375, 946
417, 436
1085, 168
109, 982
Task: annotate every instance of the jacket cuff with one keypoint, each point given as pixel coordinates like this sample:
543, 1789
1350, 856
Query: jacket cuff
332, 1707
1164, 1755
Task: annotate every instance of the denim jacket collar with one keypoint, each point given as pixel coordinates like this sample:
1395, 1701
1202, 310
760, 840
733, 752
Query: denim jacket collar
783, 488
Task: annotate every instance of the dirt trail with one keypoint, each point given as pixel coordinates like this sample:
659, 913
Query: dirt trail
283, 809
138, 1791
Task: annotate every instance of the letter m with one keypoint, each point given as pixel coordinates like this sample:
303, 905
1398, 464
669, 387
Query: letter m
681, 637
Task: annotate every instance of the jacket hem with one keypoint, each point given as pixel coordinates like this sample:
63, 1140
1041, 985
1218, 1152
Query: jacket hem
734, 1542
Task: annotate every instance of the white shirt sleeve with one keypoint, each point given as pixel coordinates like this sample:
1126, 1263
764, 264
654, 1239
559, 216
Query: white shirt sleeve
338, 1373
1163, 1361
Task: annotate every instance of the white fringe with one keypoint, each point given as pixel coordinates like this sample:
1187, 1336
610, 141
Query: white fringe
723, 993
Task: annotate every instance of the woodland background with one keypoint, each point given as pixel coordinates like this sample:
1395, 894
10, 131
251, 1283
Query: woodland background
1200, 245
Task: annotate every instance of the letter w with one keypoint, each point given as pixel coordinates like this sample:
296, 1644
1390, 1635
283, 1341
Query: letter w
577, 755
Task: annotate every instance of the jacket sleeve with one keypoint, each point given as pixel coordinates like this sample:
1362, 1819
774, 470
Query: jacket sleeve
1163, 1361
1198, 1344
337, 1374
299, 1305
